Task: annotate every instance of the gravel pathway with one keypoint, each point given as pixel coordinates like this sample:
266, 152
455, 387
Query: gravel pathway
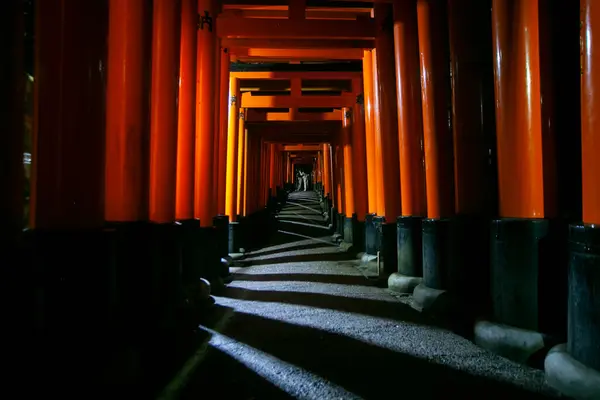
301, 321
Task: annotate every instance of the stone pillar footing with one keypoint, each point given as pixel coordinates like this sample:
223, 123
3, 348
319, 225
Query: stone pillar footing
516, 344
435, 301
399, 283
569, 376
235, 239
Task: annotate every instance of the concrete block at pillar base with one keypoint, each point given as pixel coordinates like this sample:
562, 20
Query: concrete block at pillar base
569, 376
334, 219
528, 270
340, 223
399, 283
191, 252
409, 246
432, 300
348, 229
508, 341
584, 295
212, 268
346, 247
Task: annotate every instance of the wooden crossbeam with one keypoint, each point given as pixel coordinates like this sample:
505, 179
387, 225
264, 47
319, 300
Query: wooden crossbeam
250, 101
255, 115
326, 75
297, 54
301, 148
297, 43
266, 28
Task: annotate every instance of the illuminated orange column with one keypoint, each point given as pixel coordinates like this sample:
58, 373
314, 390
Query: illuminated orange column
378, 166
68, 127
12, 93
368, 80
240, 160
338, 174
205, 110
326, 170
389, 206
522, 183
359, 157
163, 110
272, 167
410, 129
224, 100
186, 132
436, 133
232, 145
346, 148
590, 125
126, 112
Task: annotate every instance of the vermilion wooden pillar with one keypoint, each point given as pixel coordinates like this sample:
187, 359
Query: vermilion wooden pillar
359, 156
12, 82
126, 112
521, 161
240, 160
527, 259
410, 129
388, 140
410, 139
377, 163
347, 166
272, 167
206, 105
473, 134
67, 185
435, 96
590, 127
438, 260
163, 110
326, 169
574, 368
224, 99
232, 144
66, 245
369, 131
186, 131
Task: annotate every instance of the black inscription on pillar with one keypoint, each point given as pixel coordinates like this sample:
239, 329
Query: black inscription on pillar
241, 115
348, 114
232, 100
205, 19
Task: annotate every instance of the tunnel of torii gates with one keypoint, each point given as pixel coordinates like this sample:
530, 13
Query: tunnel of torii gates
454, 145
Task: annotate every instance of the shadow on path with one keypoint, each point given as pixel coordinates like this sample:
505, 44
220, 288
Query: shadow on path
357, 280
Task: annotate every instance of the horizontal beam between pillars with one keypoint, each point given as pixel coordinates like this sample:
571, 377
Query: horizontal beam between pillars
256, 115
250, 101
236, 27
298, 54
325, 75
298, 43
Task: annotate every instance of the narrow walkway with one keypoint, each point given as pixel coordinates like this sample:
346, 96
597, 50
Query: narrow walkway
301, 321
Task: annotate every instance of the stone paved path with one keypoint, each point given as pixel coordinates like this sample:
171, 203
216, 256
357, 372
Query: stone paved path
301, 321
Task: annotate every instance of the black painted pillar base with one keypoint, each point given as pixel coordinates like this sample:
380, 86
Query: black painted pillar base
371, 235
191, 252
358, 234
340, 224
333, 216
71, 283
387, 245
439, 267
348, 230
528, 288
574, 368
221, 224
409, 254
236, 237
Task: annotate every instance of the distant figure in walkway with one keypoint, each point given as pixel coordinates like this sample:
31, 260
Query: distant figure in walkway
299, 181
305, 181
